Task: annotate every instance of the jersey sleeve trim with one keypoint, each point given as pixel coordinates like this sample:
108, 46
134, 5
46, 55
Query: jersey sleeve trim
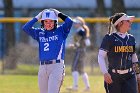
104, 49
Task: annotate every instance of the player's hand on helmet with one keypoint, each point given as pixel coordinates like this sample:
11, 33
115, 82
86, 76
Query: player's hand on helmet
107, 78
55, 11
39, 15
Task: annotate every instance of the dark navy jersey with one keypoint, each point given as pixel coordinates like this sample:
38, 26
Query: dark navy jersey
81, 33
51, 43
119, 50
79, 38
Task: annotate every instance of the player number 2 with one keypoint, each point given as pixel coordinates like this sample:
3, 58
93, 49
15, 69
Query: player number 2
46, 47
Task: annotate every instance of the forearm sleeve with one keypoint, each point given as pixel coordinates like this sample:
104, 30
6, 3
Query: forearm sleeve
101, 60
62, 16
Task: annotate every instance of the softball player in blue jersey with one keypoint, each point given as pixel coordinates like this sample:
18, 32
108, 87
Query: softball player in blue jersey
51, 41
81, 41
119, 48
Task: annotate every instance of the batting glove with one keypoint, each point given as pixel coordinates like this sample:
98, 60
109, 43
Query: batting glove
56, 11
39, 16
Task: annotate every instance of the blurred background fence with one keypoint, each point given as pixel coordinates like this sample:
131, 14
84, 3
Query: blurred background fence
19, 52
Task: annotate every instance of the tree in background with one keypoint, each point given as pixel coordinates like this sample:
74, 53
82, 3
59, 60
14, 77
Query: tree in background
118, 6
9, 27
101, 28
24, 38
101, 10
10, 36
96, 29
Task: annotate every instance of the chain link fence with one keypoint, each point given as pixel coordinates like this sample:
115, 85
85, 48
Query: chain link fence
23, 58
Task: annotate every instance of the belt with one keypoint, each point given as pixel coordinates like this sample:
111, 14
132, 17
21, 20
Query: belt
49, 62
122, 71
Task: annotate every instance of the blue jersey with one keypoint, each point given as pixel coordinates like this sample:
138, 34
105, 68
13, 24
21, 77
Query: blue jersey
119, 50
51, 43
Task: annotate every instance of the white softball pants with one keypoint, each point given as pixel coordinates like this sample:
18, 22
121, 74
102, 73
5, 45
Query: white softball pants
50, 77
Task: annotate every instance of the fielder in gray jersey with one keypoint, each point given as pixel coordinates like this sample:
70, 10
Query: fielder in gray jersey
81, 41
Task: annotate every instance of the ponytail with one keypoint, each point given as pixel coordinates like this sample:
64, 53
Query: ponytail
86, 30
110, 25
81, 21
112, 20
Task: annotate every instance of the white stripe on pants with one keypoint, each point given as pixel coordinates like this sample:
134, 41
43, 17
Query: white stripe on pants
50, 77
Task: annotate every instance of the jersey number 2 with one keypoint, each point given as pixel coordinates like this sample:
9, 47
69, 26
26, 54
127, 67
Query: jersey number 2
46, 47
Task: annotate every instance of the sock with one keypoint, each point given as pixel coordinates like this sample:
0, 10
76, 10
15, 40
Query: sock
75, 75
86, 80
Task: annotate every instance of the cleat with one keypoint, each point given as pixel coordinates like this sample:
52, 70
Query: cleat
86, 89
72, 88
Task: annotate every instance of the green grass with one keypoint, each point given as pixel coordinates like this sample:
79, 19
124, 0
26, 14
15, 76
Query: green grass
28, 84
18, 84
30, 69
24, 69
23, 79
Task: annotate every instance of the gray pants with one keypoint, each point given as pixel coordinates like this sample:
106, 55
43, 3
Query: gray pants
50, 77
79, 58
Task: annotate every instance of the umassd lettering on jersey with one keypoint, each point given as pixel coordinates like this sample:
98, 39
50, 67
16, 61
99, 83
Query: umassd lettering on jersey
124, 49
48, 39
